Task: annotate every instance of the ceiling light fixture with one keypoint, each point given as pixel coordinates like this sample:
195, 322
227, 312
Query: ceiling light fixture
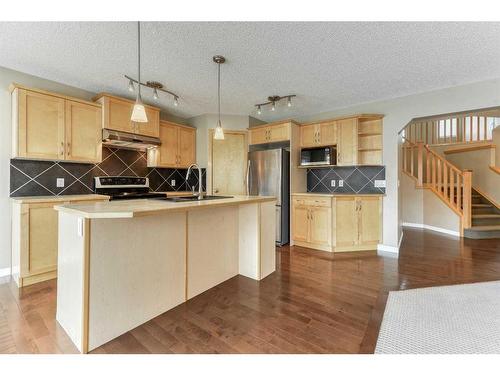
155, 94
272, 100
139, 112
131, 87
176, 101
156, 86
219, 132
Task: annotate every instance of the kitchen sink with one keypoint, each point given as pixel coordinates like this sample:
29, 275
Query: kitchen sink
193, 198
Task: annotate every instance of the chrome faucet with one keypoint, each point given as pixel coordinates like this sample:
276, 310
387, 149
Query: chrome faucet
200, 187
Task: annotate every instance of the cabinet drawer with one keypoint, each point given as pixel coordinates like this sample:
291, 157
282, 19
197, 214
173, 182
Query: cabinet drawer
310, 201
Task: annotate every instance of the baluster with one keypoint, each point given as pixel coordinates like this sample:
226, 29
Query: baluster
467, 199
452, 186
412, 160
427, 168
445, 180
485, 127
459, 192
439, 176
434, 171
420, 164
470, 128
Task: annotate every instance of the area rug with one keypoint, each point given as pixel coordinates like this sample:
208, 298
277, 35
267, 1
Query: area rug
456, 319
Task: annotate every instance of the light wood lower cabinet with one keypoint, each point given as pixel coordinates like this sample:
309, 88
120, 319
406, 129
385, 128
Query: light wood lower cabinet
35, 241
337, 223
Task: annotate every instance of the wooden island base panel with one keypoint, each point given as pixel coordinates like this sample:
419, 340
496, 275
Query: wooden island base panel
120, 264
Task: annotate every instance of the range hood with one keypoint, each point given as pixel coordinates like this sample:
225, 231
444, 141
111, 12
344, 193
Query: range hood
117, 139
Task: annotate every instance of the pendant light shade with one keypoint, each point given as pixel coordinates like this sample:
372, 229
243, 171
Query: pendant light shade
219, 132
139, 112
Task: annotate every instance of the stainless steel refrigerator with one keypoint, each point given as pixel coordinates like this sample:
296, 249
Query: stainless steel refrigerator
269, 175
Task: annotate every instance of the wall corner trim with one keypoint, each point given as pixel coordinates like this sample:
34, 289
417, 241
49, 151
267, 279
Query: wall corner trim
433, 228
4, 272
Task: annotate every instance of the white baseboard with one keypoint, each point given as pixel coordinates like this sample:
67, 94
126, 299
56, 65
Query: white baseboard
388, 249
433, 228
4, 272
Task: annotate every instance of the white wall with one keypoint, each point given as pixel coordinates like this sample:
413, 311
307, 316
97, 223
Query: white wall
398, 112
8, 76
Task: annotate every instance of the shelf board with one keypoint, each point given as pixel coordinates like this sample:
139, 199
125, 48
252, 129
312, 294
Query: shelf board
367, 134
369, 149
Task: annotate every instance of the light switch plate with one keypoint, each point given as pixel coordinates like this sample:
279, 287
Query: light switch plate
172, 182
379, 183
341, 183
332, 183
59, 182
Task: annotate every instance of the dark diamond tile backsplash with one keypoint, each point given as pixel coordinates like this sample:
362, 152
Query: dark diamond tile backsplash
357, 180
36, 177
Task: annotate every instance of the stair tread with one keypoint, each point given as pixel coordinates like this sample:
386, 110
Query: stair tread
485, 216
484, 227
481, 205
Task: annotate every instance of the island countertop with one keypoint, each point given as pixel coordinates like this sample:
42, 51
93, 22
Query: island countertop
141, 207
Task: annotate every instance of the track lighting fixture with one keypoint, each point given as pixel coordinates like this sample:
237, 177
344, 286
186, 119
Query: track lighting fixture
176, 101
272, 100
155, 94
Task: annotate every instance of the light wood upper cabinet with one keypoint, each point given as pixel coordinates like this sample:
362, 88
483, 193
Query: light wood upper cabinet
270, 133
347, 143
177, 149
318, 134
116, 113
52, 127
187, 146
83, 132
38, 125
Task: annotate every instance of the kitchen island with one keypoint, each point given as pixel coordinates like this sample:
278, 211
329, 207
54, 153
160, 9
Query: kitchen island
121, 263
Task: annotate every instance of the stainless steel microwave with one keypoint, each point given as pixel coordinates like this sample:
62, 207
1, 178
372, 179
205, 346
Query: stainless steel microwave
318, 156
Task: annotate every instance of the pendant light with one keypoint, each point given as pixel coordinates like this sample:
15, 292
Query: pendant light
219, 132
139, 112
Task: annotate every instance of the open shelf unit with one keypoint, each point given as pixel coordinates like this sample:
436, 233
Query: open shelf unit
370, 141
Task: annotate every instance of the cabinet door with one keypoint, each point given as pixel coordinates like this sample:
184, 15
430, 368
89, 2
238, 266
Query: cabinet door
258, 135
83, 132
347, 145
369, 220
346, 218
187, 147
169, 136
300, 223
118, 114
321, 226
43, 228
308, 135
152, 127
278, 133
40, 126
328, 133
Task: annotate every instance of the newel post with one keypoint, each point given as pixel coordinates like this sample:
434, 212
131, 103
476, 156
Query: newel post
467, 198
420, 164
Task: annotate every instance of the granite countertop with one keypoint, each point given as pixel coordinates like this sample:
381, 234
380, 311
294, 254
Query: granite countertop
59, 198
142, 207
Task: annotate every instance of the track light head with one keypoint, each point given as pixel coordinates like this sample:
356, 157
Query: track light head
131, 87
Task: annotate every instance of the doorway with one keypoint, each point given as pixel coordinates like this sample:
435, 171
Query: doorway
227, 163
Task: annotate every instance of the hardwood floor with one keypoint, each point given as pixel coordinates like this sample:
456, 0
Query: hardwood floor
314, 303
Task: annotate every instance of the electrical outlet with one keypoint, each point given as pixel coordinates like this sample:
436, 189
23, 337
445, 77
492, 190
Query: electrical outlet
379, 183
59, 182
172, 182
341, 183
332, 183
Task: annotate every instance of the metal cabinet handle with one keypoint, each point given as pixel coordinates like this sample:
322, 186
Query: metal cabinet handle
69, 149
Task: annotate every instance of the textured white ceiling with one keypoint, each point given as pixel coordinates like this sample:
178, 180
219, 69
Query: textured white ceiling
327, 65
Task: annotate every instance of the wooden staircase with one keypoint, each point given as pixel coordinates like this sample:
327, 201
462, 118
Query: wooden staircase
480, 218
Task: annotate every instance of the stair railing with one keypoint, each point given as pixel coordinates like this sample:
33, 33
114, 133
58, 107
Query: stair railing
462, 127
430, 170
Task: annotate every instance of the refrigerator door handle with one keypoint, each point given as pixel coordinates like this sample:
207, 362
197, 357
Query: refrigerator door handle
248, 178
